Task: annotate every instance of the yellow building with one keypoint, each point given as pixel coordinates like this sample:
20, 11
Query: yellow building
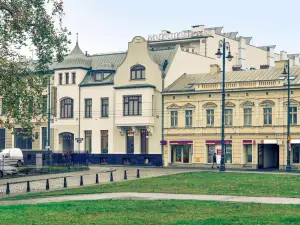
255, 118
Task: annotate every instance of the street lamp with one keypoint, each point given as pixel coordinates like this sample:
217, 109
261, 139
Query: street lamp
225, 47
286, 71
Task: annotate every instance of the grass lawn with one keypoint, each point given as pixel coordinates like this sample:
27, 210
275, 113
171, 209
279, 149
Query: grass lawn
150, 212
210, 183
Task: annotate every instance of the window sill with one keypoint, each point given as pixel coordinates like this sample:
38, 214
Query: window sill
66, 85
131, 115
66, 118
173, 127
87, 117
104, 117
137, 79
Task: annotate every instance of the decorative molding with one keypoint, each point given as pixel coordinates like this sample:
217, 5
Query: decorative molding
247, 104
292, 102
174, 106
121, 130
150, 130
210, 105
267, 103
189, 106
229, 104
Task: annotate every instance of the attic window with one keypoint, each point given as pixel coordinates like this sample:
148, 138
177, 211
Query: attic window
100, 76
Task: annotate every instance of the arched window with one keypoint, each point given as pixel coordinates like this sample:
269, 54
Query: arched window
66, 108
137, 72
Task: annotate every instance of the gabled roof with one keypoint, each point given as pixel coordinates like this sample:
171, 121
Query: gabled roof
75, 59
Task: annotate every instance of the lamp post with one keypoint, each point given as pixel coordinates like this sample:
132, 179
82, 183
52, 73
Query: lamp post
286, 71
163, 76
225, 46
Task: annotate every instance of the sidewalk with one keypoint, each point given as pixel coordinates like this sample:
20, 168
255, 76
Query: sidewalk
156, 196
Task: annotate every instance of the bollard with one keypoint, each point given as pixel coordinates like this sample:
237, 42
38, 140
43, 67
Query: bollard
47, 184
138, 174
28, 186
111, 177
125, 175
7, 189
81, 180
97, 179
65, 183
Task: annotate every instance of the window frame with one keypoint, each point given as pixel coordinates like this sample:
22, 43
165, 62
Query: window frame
210, 117
104, 136
174, 119
64, 112
248, 114
101, 74
88, 136
188, 118
73, 78
127, 112
60, 78
67, 78
293, 115
105, 107
138, 72
268, 116
228, 117
88, 106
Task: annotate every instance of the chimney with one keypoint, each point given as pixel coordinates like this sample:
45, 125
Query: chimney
86, 53
271, 61
242, 52
214, 68
283, 55
237, 68
264, 67
197, 28
280, 64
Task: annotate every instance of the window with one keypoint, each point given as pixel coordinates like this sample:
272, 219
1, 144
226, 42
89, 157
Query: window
73, 78
188, 118
88, 141
104, 107
267, 116
100, 76
228, 153
293, 115
247, 117
228, 117
210, 117
296, 153
2, 138
104, 141
66, 108
60, 78
132, 105
44, 137
248, 153
88, 108
144, 141
174, 119
23, 139
67, 78
137, 72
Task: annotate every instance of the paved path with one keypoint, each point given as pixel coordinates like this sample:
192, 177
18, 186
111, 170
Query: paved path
156, 196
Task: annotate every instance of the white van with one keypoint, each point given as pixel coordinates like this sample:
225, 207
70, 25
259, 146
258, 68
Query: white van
12, 157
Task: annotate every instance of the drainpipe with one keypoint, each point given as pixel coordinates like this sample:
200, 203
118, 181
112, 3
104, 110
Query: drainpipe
163, 110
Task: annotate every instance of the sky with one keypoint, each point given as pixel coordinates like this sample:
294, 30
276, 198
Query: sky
108, 25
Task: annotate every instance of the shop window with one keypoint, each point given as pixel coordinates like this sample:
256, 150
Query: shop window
210, 118
174, 119
296, 153
248, 117
267, 116
248, 153
88, 141
188, 118
293, 115
137, 72
228, 154
210, 153
104, 141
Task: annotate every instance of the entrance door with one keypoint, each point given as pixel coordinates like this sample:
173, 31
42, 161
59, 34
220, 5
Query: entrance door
186, 154
130, 142
67, 140
181, 153
268, 156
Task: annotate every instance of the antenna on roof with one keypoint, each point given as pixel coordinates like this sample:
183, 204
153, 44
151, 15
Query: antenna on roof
77, 38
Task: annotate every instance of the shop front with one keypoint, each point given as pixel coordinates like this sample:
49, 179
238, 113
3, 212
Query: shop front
215, 146
181, 152
295, 148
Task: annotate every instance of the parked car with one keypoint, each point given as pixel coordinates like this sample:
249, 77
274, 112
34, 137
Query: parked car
7, 170
12, 157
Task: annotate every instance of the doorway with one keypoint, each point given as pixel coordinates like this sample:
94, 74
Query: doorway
181, 154
268, 156
129, 142
67, 140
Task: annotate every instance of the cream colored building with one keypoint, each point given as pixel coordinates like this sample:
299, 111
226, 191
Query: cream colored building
255, 118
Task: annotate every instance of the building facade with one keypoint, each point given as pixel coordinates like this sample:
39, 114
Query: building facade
255, 119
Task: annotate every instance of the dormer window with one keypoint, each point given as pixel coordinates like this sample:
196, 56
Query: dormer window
137, 72
100, 76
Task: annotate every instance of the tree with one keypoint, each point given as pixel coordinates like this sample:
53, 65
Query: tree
24, 23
